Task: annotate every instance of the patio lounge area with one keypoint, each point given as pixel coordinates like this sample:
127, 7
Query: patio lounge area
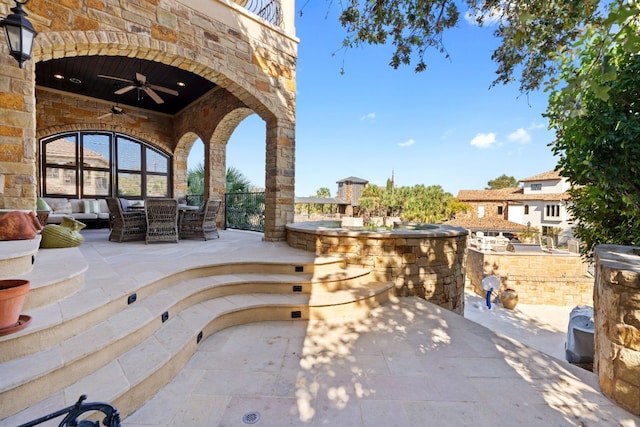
376, 361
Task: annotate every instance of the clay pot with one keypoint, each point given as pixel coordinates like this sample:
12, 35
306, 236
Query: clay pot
509, 299
12, 295
65, 235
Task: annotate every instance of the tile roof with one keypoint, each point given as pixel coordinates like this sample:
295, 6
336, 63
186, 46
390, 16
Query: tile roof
497, 195
513, 194
486, 224
354, 180
545, 176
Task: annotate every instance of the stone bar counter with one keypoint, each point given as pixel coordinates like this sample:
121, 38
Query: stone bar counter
427, 261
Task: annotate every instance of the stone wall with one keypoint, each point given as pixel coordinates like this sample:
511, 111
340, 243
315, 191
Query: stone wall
617, 324
539, 278
429, 264
251, 61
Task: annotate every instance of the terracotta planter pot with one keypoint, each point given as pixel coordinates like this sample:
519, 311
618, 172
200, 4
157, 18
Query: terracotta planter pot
509, 299
12, 295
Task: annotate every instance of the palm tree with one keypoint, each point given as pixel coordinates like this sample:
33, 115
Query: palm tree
237, 182
195, 184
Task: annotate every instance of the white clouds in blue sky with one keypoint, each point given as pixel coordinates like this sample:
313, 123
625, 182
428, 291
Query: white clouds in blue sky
373, 118
520, 136
484, 140
407, 143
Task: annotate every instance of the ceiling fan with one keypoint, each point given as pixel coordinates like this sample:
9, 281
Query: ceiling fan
118, 111
140, 82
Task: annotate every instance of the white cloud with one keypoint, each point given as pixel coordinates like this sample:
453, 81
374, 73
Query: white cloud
484, 140
520, 136
408, 143
535, 126
369, 116
488, 18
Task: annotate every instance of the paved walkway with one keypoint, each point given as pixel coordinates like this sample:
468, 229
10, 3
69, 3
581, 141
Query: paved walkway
410, 364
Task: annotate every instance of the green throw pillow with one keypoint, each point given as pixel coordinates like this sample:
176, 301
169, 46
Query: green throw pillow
41, 205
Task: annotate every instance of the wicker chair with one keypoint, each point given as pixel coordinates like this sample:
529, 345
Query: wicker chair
201, 224
162, 220
125, 225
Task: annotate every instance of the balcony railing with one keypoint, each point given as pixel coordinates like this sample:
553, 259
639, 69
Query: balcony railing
269, 10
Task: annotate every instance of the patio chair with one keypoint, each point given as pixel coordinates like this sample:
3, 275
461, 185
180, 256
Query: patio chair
201, 224
162, 220
125, 226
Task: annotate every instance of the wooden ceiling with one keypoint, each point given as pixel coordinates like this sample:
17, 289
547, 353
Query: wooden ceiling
79, 75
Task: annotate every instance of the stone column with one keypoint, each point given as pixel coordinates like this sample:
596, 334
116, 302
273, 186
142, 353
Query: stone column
617, 324
17, 133
280, 179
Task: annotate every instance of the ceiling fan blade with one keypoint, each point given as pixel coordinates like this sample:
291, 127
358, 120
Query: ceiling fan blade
153, 95
163, 89
124, 89
104, 116
102, 76
138, 115
141, 78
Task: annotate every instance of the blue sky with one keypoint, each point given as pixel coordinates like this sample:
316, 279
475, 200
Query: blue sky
444, 126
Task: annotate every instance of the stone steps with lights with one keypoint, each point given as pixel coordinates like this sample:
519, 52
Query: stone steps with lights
170, 313
17, 257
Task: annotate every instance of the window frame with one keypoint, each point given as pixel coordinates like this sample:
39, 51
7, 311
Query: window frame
113, 170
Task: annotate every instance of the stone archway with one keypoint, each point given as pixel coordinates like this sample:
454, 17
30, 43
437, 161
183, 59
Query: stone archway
261, 77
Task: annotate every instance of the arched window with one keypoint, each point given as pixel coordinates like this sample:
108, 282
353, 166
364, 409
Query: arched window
101, 164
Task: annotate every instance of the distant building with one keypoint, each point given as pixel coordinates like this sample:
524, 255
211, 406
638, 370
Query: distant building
350, 191
539, 203
345, 202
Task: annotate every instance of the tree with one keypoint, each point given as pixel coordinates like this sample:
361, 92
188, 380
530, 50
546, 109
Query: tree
323, 192
417, 204
503, 181
236, 181
535, 35
599, 147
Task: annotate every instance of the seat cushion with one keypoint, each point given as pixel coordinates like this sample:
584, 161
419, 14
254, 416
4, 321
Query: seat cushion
90, 206
60, 206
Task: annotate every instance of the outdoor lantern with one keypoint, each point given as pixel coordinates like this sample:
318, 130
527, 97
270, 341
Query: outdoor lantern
20, 33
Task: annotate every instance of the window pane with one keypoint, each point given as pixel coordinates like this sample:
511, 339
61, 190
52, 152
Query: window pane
156, 162
61, 181
96, 151
61, 151
129, 155
157, 186
129, 184
96, 183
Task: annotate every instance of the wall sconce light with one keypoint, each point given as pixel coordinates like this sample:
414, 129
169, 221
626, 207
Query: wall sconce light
20, 33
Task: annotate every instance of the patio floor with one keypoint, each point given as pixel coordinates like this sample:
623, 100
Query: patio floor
410, 363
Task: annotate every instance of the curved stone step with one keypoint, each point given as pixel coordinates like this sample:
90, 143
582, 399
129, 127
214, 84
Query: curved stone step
87, 307
17, 257
135, 375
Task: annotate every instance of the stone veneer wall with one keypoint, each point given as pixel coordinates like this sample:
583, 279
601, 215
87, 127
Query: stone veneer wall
539, 278
429, 264
251, 60
617, 324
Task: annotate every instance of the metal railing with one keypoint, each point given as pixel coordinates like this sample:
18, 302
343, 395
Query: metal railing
269, 10
111, 419
244, 211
